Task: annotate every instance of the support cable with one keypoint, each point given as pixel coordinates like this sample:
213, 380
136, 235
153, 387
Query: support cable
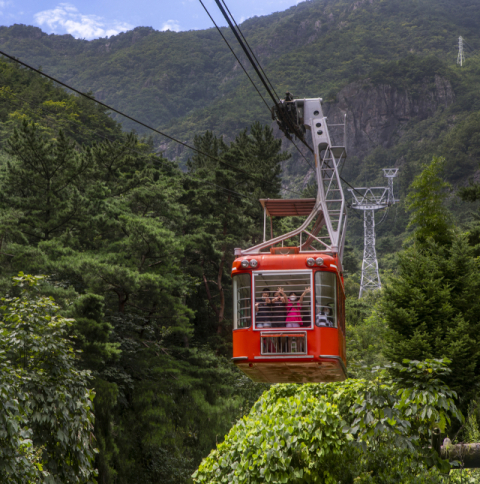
253, 64
261, 77
247, 53
136, 151
235, 55
139, 122
251, 50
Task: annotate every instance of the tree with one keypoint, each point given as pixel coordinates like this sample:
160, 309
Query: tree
432, 311
374, 431
430, 308
124, 266
223, 213
47, 418
429, 217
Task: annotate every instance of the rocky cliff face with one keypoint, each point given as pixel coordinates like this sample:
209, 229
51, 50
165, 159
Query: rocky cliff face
377, 114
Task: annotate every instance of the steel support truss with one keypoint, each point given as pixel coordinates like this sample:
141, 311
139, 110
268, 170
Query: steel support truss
369, 200
330, 207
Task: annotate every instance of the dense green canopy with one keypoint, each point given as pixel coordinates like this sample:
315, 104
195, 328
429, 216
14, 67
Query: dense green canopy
353, 431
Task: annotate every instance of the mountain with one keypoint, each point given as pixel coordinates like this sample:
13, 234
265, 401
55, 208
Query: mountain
390, 65
187, 82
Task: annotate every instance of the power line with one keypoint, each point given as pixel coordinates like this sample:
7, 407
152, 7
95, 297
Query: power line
304, 157
261, 78
254, 65
192, 177
259, 74
138, 122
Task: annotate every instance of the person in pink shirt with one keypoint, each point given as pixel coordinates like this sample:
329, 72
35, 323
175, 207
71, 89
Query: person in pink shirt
294, 307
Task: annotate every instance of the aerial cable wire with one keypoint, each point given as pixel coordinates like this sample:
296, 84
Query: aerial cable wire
253, 65
266, 77
227, 18
139, 122
251, 50
232, 51
263, 99
93, 131
247, 53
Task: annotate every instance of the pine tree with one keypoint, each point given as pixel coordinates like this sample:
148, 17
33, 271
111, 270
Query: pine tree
431, 306
223, 212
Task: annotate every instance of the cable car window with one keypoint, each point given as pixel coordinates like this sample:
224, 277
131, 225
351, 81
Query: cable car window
325, 299
242, 294
283, 300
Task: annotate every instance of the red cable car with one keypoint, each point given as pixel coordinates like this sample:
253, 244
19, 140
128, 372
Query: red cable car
289, 301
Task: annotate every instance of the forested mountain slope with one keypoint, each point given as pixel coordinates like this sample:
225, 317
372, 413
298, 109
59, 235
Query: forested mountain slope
389, 65
188, 82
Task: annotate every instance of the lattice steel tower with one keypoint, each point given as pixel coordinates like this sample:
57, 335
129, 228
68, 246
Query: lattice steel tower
461, 55
369, 200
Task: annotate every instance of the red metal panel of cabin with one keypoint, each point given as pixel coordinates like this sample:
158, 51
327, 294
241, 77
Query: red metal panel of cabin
320, 340
271, 262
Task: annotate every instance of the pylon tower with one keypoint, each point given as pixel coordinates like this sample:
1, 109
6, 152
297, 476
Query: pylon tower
390, 174
461, 55
369, 200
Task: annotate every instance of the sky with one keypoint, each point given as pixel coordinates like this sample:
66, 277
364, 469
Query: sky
91, 19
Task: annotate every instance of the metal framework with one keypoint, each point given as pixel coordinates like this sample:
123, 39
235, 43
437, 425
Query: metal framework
461, 55
329, 209
369, 200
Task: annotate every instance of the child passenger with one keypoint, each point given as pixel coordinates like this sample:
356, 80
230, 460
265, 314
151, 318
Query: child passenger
294, 307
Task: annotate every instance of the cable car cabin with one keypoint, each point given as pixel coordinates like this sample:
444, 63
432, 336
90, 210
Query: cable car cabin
289, 302
289, 310
278, 340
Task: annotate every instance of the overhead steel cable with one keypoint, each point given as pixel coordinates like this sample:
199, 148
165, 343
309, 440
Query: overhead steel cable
262, 79
132, 150
251, 50
140, 122
253, 64
304, 157
232, 51
247, 53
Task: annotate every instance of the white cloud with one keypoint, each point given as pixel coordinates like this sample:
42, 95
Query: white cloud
65, 17
3, 4
172, 25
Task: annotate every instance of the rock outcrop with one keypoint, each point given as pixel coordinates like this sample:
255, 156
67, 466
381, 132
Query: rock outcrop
376, 114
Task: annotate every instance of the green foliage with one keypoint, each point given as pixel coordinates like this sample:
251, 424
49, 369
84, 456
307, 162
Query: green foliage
429, 217
366, 332
357, 430
47, 417
430, 307
27, 97
431, 310
126, 257
223, 212
138, 252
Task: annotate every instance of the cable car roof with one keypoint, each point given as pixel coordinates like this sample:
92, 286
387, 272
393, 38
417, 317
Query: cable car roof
287, 208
